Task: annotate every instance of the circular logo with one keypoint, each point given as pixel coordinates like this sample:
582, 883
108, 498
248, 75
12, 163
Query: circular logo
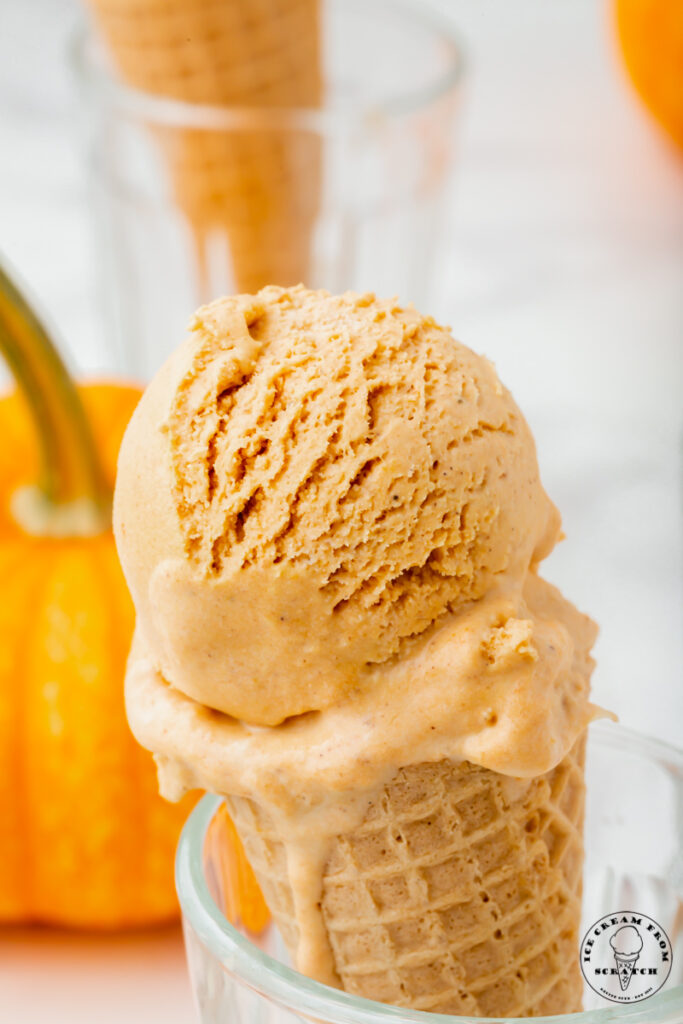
626, 956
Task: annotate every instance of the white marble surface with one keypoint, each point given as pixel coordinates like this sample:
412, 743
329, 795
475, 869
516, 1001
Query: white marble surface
565, 266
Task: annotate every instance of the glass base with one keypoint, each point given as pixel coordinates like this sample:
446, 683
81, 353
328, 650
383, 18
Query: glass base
634, 862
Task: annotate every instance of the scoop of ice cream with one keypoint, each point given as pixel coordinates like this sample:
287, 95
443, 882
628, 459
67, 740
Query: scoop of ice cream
307, 486
626, 941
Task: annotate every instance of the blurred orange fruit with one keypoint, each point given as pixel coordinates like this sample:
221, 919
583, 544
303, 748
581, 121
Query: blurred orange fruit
651, 40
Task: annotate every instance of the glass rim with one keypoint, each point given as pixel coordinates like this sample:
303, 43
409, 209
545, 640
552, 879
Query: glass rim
172, 112
299, 994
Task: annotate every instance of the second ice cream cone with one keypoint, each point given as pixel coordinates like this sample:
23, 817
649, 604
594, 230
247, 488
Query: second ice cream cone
258, 185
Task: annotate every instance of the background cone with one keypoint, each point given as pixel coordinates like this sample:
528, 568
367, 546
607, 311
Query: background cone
459, 893
258, 185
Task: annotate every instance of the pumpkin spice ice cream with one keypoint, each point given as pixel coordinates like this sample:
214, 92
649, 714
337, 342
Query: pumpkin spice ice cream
330, 515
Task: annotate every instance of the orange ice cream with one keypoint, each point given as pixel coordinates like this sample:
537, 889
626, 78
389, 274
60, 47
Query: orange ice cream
332, 474
329, 513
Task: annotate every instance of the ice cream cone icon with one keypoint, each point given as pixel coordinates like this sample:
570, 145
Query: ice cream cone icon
626, 944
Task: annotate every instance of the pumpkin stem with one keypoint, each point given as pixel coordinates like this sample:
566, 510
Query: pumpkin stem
71, 496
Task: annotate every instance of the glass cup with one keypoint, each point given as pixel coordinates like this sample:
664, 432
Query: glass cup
634, 861
360, 183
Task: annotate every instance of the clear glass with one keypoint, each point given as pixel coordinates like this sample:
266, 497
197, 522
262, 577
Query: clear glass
380, 149
634, 860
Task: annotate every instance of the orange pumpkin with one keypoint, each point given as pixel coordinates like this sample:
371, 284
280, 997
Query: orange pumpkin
651, 40
85, 839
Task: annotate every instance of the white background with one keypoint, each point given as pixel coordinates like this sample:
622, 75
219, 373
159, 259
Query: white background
565, 267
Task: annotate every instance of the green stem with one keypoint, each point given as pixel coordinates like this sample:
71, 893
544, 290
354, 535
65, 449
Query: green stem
71, 496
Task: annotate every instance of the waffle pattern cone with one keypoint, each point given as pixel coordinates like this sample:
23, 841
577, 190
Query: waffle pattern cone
257, 185
459, 893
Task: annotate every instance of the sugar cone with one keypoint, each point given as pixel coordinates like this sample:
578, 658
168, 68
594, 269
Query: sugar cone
258, 185
459, 893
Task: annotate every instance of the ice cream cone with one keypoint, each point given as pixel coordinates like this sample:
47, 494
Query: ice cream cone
330, 516
258, 185
625, 966
460, 892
